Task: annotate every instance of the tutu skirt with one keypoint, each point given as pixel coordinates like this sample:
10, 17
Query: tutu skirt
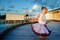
40, 29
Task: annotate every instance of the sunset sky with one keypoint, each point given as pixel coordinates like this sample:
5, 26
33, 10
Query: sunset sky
30, 6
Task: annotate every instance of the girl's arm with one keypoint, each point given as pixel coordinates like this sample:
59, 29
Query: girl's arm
47, 22
35, 18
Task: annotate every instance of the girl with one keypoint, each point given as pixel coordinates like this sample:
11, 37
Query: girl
40, 28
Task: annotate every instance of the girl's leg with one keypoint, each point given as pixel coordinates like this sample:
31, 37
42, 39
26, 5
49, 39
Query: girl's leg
41, 37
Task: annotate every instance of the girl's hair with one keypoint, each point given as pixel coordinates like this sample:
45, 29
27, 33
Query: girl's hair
43, 7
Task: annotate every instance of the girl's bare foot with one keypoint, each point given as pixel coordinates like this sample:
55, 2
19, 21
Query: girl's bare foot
42, 38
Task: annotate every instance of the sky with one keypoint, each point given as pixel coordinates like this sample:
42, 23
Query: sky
27, 6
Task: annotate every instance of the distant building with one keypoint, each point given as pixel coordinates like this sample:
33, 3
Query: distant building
53, 15
15, 16
11, 17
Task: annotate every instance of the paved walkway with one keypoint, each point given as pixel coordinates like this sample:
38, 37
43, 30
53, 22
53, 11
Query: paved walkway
25, 33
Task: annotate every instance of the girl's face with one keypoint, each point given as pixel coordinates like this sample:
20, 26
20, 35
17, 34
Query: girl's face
44, 11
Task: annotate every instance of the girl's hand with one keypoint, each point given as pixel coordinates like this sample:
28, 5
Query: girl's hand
30, 20
47, 22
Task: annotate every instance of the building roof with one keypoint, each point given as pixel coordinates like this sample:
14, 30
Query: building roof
55, 10
16, 13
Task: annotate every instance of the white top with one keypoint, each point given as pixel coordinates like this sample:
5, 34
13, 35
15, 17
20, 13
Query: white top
42, 19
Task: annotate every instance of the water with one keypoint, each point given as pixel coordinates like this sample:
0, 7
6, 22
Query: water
4, 26
25, 33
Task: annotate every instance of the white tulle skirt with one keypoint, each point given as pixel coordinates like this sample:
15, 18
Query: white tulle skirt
40, 28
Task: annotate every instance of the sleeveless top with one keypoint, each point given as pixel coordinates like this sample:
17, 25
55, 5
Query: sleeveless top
42, 19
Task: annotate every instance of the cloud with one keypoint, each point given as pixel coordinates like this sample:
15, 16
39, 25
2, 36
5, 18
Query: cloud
30, 11
9, 1
49, 3
8, 10
2, 9
25, 10
11, 6
35, 7
37, 1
